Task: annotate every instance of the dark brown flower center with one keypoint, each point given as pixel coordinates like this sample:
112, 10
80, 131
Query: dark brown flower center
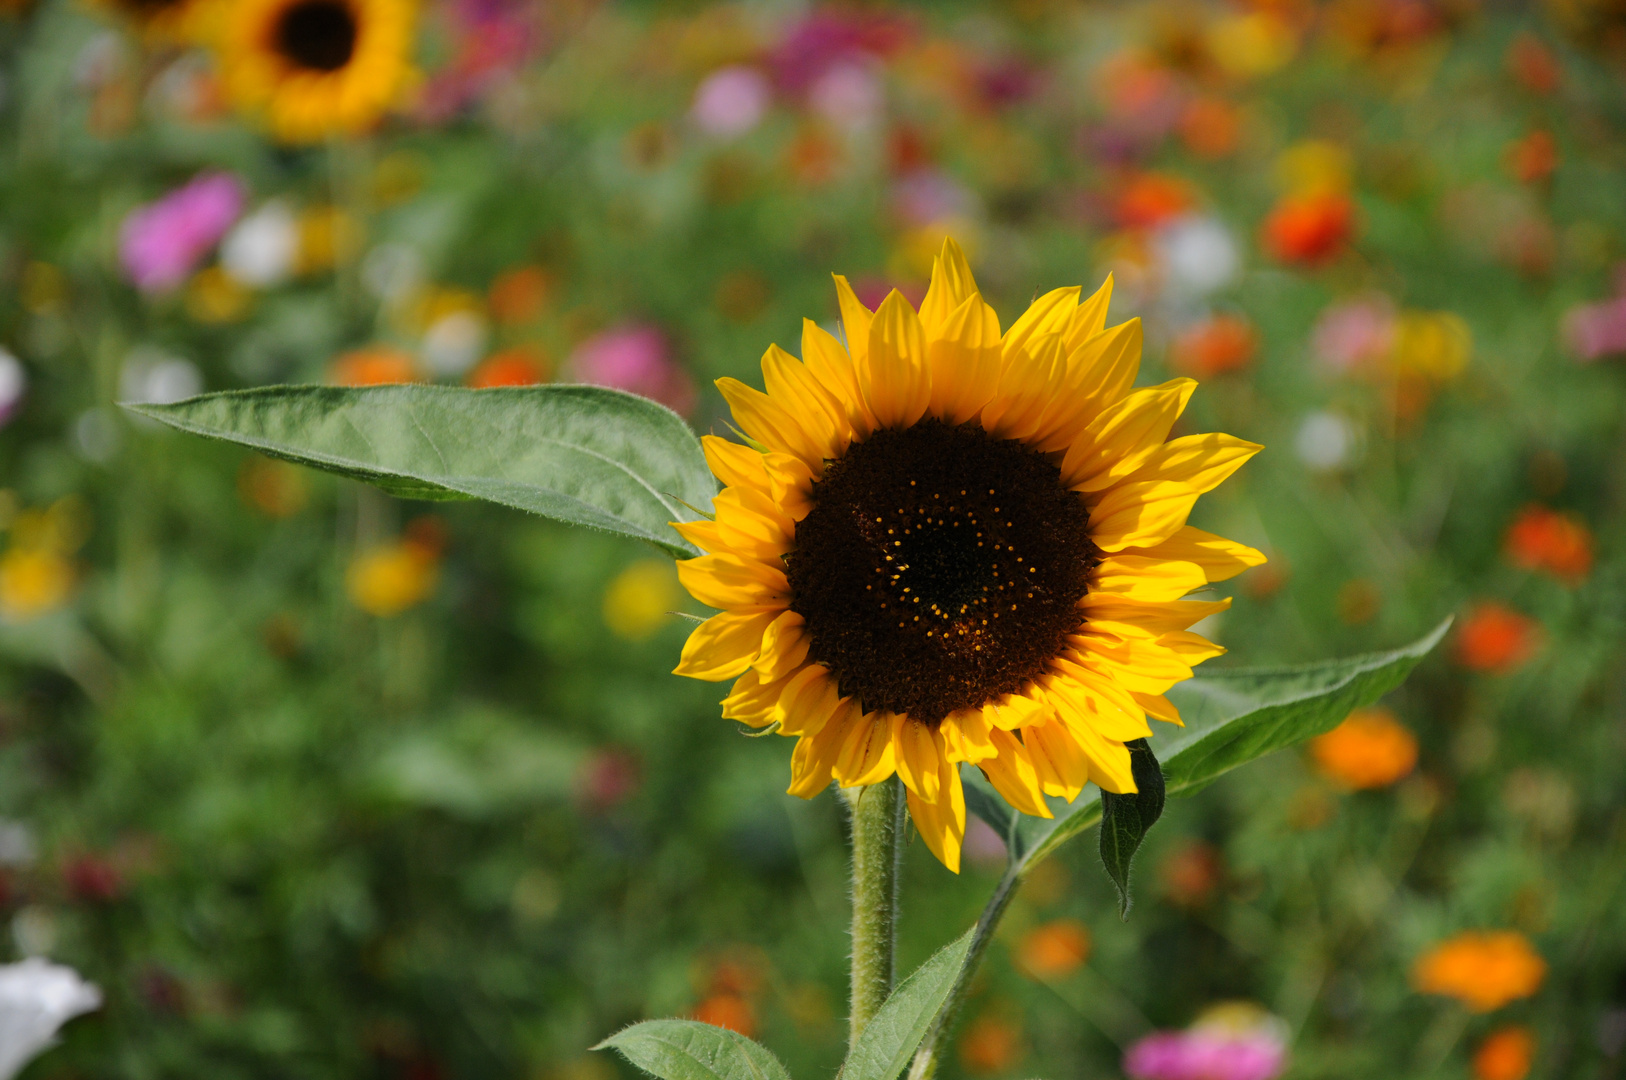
317, 34
939, 568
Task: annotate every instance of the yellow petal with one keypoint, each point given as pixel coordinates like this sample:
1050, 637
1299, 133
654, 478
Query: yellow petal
1159, 706
1200, 461
1012, 773
1192, 649
1028, 387
1095, 706
855, 320
964, 361
942, 822
1060, 764
1121, 438
1139, 618
728, 581
769, 423
866, 751
918, 750
893, 374
831, 364
952, 285
724, 645
704, 535
813, 761
1018, 711
1110, 769
967, 735
783, 646
821, 416
790, 485
1095, 375
750, 524
1220, 558
753, 699
807, 702
1048, 316
733, 464
1144, 578
1090, 317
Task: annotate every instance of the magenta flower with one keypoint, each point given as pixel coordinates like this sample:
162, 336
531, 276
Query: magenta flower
1354, 332
161, 243
1596, 330
635, 359
1221, 1051
731, 101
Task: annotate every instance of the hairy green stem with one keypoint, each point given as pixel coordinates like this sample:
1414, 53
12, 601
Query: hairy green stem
877, 854
933, 1046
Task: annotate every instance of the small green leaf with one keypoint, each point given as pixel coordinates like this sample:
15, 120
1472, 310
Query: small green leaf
690, 1050
1126, 819
892, 1036
1232, 716
585, 455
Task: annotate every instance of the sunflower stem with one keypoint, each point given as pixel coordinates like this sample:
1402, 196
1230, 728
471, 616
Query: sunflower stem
877, 854
933, 1046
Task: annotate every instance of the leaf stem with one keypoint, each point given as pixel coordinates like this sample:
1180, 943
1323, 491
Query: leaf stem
877, 854
935, 1044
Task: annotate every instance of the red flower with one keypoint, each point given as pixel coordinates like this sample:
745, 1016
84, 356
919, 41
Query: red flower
1309, 229
1543, 539
1494, 638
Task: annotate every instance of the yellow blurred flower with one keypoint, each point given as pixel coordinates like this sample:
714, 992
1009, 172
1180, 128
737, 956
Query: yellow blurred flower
638, 600
327, 236
1483, 969
390, 578
215, 297
32, 582
1369, 749
1314, 167
1248, 46
1433, 344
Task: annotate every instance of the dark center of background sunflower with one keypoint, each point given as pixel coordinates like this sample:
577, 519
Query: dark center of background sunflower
939, 568
317, 34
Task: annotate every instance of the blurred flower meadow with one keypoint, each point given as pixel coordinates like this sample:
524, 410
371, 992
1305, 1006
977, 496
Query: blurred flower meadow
309, 781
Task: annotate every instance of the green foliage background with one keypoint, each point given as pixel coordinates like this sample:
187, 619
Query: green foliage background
349, 846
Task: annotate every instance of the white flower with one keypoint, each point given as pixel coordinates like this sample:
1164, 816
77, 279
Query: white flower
1326, 441
36, 998
1198, 254
454, 342
152, 377
261, 250
13, 381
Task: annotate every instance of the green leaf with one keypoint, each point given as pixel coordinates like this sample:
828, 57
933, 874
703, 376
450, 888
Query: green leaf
690, 1050
585, 455
1232, 716
892, 1036
1126, 819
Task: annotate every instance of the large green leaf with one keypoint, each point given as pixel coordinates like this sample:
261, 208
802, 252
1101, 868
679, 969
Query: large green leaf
897, 1028
1126, 819
690, 1050
1231, 717
580, 454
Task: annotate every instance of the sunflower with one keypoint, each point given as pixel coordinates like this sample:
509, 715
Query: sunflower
317, 67
947, 544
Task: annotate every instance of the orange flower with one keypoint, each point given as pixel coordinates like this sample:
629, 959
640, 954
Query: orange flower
1496, 639
1483, 969
1309, 228
1054, 950
1214, 346
522, 365
1532, 159
275, 488
1210, 127
519, 295
1533, 64
1505, 1054
1543, 539
375, 365
728, 1011
1370, 749
390, 578
1190, 874
1149, 199
991, 1044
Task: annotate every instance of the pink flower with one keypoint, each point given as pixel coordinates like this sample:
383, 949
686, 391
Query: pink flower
635, 359
1596, 330
160, 243
731, 101
1355, 332
488, 41
1205, 1053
